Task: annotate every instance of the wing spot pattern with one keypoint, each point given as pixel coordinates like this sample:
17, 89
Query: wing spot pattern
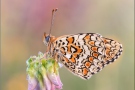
85, 71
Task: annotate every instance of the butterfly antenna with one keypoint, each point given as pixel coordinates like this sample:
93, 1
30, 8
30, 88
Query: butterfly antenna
53, 15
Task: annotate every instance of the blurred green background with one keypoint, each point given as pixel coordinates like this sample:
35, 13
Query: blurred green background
25, 21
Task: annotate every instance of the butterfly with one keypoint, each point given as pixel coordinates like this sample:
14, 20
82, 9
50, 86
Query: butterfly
84, 54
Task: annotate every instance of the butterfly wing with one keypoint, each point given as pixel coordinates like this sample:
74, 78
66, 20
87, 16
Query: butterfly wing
86, 54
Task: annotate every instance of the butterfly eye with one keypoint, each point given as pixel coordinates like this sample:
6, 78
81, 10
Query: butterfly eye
47, 39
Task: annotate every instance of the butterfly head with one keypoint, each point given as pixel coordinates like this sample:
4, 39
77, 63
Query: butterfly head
46, 39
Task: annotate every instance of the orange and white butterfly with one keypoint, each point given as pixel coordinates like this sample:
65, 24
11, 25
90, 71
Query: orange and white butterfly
84, 54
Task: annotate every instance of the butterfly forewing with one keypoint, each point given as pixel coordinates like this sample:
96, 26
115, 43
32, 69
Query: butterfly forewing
85, 54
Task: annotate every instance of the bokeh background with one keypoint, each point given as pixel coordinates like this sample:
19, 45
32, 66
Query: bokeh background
24, 22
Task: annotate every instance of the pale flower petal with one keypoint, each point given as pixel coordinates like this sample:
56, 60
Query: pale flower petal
32, 83
60, 83
53, 78
53, 87
60, 64
58, 78
47, 82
